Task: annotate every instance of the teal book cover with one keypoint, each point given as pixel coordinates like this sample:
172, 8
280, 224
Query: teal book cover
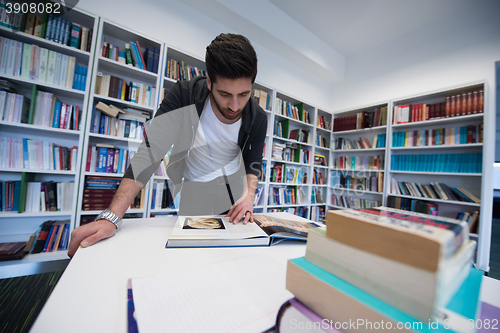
465, 302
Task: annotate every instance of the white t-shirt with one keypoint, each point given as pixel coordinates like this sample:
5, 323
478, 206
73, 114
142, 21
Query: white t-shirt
215, 147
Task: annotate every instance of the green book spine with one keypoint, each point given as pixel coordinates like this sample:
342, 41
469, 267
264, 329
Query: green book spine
44, 24
25, 178
128, 54
300, 106
32, 105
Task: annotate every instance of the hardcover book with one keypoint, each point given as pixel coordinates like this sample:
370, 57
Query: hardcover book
217, 231
411, 238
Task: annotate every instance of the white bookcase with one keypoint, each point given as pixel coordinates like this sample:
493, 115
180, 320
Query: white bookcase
118, 36
344, 151
474, 182
16, 226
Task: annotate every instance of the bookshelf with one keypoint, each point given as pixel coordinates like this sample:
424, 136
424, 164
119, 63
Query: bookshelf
46, 125
127, 75
450, 140
358, 157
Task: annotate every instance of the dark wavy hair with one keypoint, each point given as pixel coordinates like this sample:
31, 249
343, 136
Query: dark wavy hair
231, 56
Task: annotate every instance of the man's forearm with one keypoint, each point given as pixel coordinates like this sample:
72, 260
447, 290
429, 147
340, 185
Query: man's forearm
125, 194
252, 183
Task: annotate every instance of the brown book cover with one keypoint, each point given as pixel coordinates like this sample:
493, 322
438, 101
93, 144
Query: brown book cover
411, 238
113, 86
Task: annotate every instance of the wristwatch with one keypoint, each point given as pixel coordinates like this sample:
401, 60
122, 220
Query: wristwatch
110, 216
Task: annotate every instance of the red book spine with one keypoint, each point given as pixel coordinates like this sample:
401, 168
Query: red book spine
140, 53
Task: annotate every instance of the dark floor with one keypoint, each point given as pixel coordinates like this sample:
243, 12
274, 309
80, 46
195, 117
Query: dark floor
495, 250
23, 297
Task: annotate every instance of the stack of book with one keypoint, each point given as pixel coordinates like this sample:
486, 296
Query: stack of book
382, 269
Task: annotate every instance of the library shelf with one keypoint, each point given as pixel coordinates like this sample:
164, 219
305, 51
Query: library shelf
297, 121
35, 214
52, 88
116, 138
30, 127
465, 145
41, 171
106, 174
31, 39
452, 202
465, 174
357, 170
357, 150
292, 141
286, 184
124, 103
432, 122
358, 192
362, 130
111, 65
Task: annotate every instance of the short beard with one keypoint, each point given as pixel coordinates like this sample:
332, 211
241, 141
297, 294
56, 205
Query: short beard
218, 106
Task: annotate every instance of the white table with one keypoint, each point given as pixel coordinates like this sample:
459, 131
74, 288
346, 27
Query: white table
91, 295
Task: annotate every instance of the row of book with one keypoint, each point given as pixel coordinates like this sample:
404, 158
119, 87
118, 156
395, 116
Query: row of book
296, 112
290, 152
47, 26
180, 70
456, 163
98, 192
318, 178
132, 55
49, 196
285, 196
359, 162
299, 211
362, 143
280, 173
439, 136
360, 120
108, 159
341, 181
352, 202
457, 105
322, 122
316, 196
135, 92
434, 190
39, 64
34, 154
162, 197
51, 236
320, 160
262, 98
318, 213
472, 219
413, 205
123, 126
411, 285
321, 141
258, 195
44, 110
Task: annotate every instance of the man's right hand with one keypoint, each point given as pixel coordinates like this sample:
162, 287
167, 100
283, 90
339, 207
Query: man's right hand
90, 234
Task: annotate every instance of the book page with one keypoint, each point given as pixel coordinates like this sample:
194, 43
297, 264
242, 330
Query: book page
213, 227
241, 295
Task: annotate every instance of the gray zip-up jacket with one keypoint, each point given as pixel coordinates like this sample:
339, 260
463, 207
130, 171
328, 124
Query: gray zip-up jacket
175, 125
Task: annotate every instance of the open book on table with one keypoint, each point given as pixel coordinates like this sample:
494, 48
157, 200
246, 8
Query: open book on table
217, 231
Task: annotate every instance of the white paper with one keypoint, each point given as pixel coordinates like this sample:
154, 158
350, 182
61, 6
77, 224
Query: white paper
241, 295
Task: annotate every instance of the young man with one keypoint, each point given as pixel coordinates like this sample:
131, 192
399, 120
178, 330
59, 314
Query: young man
216, 134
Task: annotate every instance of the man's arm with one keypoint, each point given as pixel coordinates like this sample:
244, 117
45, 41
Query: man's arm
93, 232
245, 203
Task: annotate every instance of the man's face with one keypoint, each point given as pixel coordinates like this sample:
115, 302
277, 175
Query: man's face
230, 97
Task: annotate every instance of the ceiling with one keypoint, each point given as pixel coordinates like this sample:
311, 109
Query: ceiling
320, 35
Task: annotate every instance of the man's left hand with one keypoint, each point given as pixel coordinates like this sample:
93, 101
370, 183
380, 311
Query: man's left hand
243, 208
